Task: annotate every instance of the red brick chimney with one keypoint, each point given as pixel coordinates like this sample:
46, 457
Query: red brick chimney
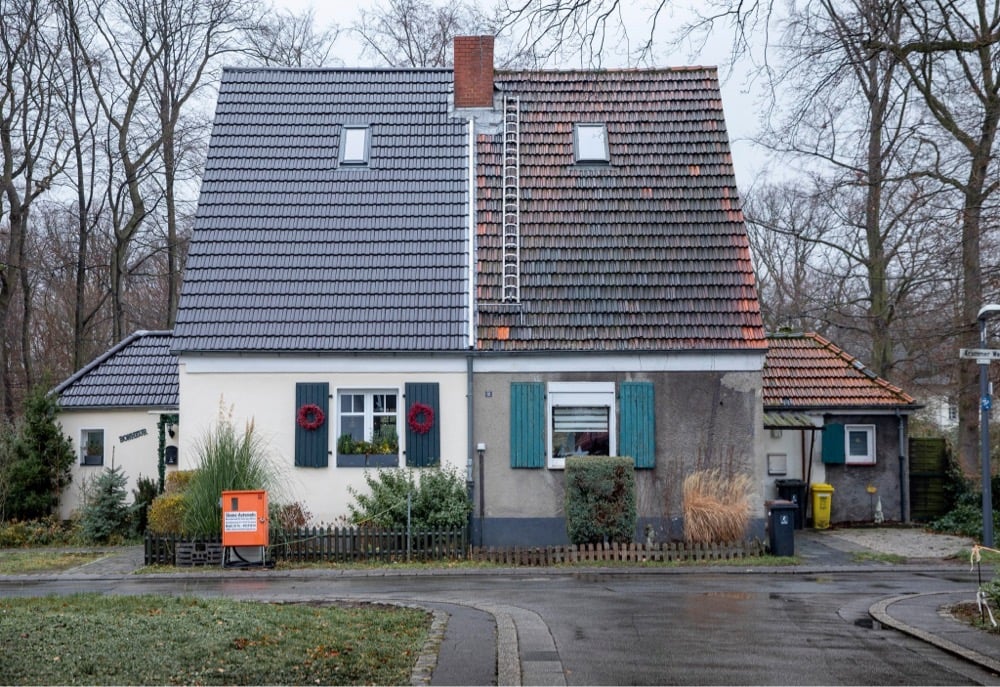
474, 71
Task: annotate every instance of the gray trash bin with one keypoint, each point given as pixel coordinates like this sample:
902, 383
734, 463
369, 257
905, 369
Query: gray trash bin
794, 490
781, 527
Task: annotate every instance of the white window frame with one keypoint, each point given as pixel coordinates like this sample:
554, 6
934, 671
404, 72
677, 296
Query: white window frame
857, 459
580, 394
588, 152
349, 153
85, 441
369, 411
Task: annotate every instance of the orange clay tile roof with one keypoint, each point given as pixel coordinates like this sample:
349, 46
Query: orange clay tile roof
807, 371
647, 252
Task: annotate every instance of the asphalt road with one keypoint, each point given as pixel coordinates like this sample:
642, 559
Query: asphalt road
694, 628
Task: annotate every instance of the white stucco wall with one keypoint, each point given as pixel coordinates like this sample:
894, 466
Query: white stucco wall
125, 445
262, 390
795, 446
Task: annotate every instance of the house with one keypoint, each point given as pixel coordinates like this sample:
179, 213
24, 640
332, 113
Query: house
829, 419
121, 411
483, 270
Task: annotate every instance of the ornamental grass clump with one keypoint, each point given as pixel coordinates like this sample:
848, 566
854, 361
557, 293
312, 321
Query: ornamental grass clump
228, 460
716, 507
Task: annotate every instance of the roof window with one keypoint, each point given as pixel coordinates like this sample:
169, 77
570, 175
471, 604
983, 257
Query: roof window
590, 143
354, 145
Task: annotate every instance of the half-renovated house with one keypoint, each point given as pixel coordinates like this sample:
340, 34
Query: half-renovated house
829, 419
120, 410
475, 269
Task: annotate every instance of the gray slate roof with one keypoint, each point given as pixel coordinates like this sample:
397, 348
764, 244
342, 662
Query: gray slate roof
292, 252
139, 372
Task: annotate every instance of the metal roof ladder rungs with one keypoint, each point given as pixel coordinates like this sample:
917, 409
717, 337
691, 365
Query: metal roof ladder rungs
511, 200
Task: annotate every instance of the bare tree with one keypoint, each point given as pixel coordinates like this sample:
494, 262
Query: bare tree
419, 33
33, 152
950, 55
282, 38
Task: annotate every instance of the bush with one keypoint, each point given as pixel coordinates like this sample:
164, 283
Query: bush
716, 506
48, 531
166, 514
227, 461
600, 499
178, 481
966, 517
438, 502
105, 513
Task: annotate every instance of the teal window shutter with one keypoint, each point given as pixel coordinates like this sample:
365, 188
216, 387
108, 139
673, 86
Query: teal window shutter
833, 443
527, 425
423, 449
312, 446
637, 423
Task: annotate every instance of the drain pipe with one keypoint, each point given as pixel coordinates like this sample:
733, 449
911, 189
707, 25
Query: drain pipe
901, 421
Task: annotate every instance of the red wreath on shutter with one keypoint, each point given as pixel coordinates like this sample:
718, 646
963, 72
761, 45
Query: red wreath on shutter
310, 417
420, 418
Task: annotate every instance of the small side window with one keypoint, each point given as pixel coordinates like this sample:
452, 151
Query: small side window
590, 143
354, 145
92, 447
860, 440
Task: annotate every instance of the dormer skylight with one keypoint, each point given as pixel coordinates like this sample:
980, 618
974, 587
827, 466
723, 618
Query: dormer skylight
590, 142
354, 145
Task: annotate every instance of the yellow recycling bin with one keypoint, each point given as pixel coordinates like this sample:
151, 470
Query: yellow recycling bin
822, 500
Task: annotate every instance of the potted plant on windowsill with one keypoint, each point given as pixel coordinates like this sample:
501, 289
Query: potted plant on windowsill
381, 452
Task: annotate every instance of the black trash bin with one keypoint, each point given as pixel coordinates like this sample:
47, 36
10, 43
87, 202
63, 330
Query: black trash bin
781, 527
794, 490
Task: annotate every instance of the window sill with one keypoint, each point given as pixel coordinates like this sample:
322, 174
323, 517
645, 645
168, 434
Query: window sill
369, 460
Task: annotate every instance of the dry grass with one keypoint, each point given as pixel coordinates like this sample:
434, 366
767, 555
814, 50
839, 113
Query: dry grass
716, 506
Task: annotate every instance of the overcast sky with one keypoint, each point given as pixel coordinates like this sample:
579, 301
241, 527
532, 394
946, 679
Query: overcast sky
740, 109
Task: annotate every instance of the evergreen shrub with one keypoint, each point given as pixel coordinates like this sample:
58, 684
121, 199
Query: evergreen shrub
600, 499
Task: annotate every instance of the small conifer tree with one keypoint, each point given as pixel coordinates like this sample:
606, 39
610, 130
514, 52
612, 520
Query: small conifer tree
106, 514
41, 458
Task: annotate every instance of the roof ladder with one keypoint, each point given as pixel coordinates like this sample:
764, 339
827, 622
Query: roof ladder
511, 201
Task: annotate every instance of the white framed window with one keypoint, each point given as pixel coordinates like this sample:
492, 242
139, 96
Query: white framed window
590, 143
368, 414
860, 444
354, 145
92, 447
581, 420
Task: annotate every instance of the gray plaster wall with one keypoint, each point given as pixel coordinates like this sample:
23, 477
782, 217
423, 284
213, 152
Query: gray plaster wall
704, 420
851, 501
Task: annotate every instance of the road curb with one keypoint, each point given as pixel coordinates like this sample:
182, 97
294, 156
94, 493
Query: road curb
880, 612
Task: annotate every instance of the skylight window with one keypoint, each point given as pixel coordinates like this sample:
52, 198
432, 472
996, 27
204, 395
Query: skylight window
354, 145
590, 143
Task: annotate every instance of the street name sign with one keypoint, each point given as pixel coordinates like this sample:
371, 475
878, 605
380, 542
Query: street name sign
980, 353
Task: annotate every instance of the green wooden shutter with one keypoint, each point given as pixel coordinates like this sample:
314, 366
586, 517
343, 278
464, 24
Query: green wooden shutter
637, 423
423, 450
312, 446
833, 443
527, 425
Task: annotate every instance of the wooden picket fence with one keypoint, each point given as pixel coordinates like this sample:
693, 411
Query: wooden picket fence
614, 552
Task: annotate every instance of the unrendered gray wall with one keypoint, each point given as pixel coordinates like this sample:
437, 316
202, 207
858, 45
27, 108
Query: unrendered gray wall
851, 502
703, 421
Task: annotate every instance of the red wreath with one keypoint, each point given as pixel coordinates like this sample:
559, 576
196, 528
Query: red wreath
310, 417
413, 418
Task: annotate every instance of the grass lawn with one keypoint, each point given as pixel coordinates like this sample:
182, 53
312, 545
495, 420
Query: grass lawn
28, 561
101, 640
